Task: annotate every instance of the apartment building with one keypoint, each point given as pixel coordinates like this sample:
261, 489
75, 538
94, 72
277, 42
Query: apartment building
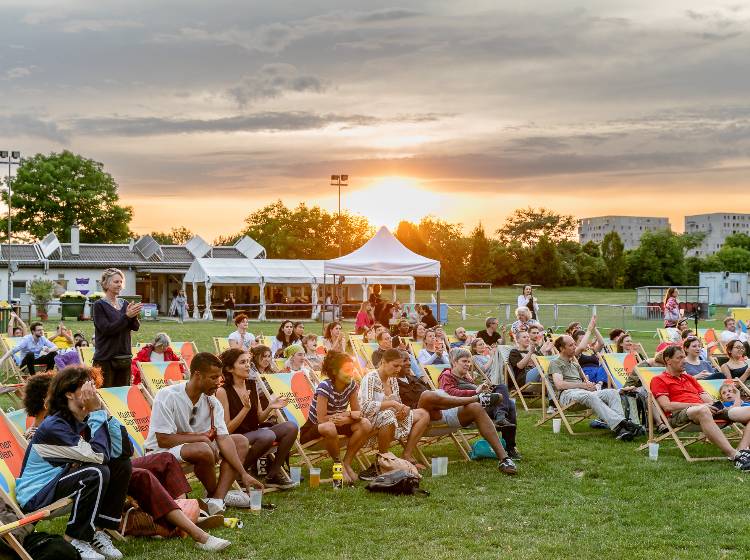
629, 228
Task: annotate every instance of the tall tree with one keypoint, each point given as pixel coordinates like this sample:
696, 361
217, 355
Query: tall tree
613, 253
658, 261
528, 225
479, 265
53, 192
176, 236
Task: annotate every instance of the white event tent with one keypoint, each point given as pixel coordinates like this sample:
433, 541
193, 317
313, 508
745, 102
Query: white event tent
383, 257
261, 272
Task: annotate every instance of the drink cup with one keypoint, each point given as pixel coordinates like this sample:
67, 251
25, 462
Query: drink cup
653, 451
296, 474
443, 466
436, 466
556, 423
256, 501
314, 478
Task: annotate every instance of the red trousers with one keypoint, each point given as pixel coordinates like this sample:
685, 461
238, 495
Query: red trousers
156, 481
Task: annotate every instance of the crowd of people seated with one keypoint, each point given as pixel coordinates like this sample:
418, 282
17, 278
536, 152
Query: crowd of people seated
227, 424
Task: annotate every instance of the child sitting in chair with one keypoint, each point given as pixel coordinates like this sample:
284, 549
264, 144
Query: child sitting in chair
730, 396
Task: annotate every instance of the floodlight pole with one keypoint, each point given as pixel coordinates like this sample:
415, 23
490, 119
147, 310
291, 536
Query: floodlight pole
339, 181
11, 156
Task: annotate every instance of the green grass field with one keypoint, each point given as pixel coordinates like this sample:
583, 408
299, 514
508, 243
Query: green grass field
579, 497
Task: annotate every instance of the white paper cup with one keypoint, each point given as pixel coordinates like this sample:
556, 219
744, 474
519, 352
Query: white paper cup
296, 475
653, 451
443, 466
436, 466
556, 423
256, 500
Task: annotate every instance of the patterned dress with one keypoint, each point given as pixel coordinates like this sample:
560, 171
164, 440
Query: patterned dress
371, 394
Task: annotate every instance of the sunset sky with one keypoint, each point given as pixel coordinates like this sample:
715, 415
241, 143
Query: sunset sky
205, 111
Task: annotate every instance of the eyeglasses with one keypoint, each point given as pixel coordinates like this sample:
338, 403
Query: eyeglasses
192, 415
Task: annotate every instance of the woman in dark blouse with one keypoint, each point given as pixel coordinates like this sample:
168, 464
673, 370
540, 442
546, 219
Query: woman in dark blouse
114, 318
243, 415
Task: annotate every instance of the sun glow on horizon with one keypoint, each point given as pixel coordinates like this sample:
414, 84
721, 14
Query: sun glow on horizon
388, 200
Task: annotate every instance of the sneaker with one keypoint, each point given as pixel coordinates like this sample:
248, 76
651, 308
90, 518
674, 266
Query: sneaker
213, 544
501, 423
507, 466
599, 424
280, 480
102, 543
488, 400
513, 453
237, 498
551, 410
623, 434
212, 505
370, 473
742, 462
86, 551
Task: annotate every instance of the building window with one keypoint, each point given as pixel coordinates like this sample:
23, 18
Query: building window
19, 287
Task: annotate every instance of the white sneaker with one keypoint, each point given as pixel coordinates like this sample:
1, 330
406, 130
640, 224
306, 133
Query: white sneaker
237, 498
102, 543
213, 544
214, 505
85, 550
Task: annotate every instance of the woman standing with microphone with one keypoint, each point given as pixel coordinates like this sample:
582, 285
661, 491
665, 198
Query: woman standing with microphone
114, 318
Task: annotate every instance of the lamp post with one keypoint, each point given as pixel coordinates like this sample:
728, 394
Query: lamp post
13, 158
339, 181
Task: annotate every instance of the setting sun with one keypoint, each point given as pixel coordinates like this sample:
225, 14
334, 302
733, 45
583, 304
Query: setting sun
389, 200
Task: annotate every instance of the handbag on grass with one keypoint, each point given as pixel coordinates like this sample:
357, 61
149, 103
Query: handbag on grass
388, 462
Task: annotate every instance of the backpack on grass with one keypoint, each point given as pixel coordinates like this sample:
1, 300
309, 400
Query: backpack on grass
400, 483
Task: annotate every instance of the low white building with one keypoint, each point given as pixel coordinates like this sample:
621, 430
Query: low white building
629, 228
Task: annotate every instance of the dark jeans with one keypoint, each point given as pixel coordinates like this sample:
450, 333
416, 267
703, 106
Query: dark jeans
262, 439
29, 361
506, 408
116, 373
98, 493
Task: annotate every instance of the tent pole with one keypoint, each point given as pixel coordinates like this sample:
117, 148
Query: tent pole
437, 286
323, 314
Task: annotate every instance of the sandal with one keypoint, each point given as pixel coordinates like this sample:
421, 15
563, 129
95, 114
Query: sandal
206, 521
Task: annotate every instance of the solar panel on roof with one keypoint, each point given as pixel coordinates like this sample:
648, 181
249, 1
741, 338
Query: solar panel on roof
49, 245
148, 247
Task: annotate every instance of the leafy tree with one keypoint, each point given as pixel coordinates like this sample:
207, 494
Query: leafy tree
529, 225
409, 234
658, 261
613, 253
691, 240
480, 265
729, 258
548, 269
53, 192
740, 240
305, 232
592, 248
177, 236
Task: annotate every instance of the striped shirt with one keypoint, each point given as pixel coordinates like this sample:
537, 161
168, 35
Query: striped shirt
337, 402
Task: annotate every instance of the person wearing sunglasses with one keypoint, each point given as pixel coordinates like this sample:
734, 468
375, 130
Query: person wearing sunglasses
187, 420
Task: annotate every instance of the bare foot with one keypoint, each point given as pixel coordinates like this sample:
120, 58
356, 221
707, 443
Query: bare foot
349, 475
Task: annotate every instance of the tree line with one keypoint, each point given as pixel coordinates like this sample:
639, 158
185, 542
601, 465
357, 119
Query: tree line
532, 246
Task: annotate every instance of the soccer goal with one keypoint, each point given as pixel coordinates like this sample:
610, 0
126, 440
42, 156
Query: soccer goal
468, 285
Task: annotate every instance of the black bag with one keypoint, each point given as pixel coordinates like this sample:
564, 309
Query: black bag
43, 546
400, 483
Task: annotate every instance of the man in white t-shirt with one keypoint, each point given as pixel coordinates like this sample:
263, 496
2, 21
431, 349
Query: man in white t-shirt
730, 332
187, 421
241, 338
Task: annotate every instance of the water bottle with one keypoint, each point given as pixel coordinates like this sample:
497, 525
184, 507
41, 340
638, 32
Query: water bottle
262, 466
338, 476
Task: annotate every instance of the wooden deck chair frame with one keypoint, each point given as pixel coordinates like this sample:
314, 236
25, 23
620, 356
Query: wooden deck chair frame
682, 436
515, 389
55, 509
311, 452
11, 371
221, 343
569, 415
148, 382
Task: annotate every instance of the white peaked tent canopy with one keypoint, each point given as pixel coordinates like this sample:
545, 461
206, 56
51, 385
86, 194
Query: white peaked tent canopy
383, 256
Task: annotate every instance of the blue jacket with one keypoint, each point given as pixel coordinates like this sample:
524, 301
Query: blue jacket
58, 445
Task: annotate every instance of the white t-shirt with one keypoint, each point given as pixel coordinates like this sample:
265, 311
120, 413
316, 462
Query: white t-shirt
172, 411
727, 336
245, 341
157, 357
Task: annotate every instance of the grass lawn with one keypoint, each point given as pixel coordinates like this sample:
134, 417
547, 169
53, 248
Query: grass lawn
575, 497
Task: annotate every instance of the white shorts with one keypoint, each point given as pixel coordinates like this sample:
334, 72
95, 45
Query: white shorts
177, 450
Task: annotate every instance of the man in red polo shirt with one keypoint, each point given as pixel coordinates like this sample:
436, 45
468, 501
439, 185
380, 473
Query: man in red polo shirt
683, 399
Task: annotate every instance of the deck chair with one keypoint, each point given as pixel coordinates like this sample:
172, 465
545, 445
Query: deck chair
619, 366
520, 392
11, 371
133, 410
297, 390
668, 335
221, 343
11, 460
570, 415
185, 350
157, 375
87, 355
709, 336
682, 436
20, 420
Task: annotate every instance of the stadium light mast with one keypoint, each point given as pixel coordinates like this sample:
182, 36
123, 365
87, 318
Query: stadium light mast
13, 158
339, 181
